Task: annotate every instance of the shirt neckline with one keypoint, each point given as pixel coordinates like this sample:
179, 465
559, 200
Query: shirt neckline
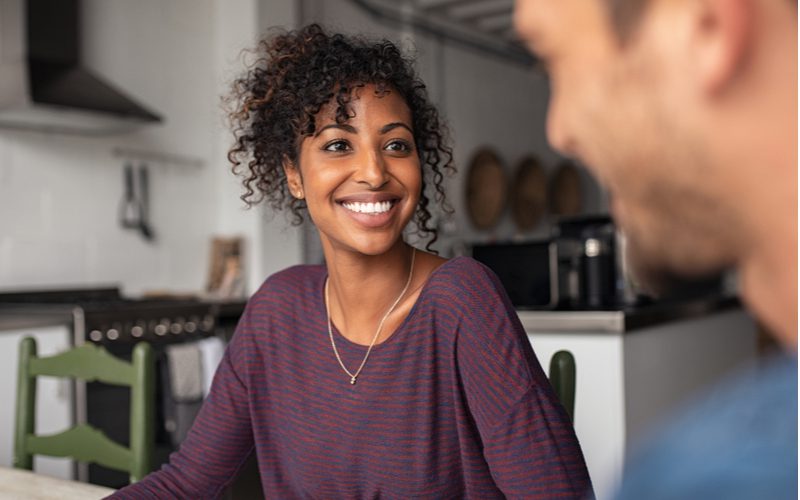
339, 338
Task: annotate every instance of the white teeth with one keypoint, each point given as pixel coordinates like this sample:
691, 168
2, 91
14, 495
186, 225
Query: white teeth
368, 208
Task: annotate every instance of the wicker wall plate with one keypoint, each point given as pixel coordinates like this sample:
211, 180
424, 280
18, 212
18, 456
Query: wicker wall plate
486, 189
528, 194
566, 193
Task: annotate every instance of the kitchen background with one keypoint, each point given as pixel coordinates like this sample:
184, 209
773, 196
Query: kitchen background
60, 194
60, 199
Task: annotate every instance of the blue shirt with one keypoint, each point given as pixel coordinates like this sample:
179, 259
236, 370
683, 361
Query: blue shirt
738, 443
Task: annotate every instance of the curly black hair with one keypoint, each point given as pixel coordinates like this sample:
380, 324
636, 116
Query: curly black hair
296, 73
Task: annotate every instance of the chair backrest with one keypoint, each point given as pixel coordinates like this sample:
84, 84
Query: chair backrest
562, 377
83, 442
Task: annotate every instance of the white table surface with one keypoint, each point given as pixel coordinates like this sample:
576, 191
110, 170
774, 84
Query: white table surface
27, 485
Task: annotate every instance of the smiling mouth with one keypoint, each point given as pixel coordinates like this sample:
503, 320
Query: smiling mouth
369, 208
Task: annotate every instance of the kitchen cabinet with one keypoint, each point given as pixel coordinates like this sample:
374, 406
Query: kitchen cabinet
636, 367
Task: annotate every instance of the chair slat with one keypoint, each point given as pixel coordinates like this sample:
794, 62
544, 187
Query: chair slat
87, 362
83, 443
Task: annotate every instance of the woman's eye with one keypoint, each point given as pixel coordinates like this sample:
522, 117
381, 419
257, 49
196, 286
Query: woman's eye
399, 146
337, 146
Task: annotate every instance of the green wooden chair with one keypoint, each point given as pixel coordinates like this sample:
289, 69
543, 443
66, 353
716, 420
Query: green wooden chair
562, 377
83, 442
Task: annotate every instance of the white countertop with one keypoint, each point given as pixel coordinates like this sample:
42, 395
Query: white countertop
27, 485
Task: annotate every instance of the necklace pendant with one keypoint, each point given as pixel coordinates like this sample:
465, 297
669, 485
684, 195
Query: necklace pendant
352, 381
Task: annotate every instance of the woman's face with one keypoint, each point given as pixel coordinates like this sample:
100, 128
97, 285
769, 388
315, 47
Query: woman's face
361, 179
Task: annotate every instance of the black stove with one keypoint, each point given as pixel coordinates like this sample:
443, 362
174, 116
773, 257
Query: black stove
104, 316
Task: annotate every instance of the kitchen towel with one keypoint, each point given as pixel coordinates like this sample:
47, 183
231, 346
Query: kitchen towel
211, 351
185, 372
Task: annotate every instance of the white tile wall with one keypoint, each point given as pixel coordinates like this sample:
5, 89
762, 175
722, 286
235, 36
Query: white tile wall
59, 194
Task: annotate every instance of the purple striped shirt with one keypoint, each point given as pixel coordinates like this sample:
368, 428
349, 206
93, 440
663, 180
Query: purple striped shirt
453, 405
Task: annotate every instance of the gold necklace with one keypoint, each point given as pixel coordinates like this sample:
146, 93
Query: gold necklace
354, 376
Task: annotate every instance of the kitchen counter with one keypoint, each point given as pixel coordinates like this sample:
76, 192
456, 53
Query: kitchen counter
637, 365
626, 320
18, 320
18, 483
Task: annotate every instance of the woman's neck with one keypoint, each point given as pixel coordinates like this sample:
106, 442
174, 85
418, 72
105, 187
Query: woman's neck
362, 288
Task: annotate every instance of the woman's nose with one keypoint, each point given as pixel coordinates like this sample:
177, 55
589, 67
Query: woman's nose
372, 169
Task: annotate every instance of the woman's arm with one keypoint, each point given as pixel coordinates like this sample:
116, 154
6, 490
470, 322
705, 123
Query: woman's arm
218, 443
529, 441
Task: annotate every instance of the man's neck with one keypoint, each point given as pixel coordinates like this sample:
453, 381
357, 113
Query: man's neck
769, 284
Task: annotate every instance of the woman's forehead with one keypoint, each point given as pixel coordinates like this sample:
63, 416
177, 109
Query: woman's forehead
364, 102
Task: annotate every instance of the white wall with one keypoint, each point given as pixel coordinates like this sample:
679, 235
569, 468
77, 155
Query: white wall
272, 243
59, 194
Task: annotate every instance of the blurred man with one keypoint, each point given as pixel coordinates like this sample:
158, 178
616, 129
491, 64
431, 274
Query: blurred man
686, 110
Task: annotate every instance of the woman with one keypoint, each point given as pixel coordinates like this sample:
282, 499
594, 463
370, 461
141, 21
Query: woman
389, 372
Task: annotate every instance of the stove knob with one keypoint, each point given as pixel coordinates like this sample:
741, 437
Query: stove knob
96, 335
161, 328
140, 329
190, 327
112, 334
208, 323
176, 328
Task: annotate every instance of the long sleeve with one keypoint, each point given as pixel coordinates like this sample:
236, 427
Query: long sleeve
216, 446
528, 441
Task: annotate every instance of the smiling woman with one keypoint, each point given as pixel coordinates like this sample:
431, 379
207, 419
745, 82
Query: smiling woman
299, 80
388, 372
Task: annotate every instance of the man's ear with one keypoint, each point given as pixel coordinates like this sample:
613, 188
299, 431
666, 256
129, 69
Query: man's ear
293, 178
725, 32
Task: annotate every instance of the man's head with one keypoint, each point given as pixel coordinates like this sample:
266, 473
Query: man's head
684, 110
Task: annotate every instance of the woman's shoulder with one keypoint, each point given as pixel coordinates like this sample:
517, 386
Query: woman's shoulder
281, 296
292, 282
462, 270
464, 280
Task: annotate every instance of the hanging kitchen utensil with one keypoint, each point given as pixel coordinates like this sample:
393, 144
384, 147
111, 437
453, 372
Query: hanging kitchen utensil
134, 208
144, 203
528, 194
486, 189
566, 193
129, 209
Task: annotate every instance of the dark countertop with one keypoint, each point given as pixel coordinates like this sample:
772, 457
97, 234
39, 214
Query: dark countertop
623, 320
14, 319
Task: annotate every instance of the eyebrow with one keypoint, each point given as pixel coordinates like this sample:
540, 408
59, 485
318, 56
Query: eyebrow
343, 126
391, 126
351, 129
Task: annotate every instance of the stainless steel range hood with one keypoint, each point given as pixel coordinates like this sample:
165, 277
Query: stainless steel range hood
43, 85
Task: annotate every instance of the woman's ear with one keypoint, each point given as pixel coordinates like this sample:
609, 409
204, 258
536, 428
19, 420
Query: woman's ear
293, 178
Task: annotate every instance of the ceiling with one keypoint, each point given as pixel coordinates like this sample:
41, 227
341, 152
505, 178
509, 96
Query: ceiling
493, 17
485, 25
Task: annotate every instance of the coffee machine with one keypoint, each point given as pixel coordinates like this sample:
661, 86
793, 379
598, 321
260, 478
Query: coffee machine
578, 267
591, 269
